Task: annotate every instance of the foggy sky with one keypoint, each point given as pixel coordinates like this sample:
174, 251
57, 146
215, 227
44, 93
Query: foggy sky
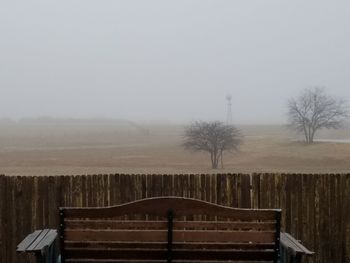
169, 60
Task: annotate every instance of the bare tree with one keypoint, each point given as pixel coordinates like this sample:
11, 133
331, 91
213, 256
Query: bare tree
212, 137
314, 110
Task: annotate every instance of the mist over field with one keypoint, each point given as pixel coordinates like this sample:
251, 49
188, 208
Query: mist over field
92, 146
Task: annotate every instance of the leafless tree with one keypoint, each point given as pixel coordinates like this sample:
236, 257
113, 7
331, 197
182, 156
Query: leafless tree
313, 110
212, 137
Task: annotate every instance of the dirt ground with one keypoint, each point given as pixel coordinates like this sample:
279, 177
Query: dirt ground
97, 147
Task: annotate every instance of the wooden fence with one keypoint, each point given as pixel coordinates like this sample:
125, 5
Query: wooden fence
316, 208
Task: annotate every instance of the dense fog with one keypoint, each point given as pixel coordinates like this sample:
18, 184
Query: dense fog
169, 60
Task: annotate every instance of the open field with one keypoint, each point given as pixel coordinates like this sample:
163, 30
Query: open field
101, 146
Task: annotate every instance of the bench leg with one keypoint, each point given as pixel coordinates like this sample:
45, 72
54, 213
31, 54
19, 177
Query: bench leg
291, 259
49, 255
295, 259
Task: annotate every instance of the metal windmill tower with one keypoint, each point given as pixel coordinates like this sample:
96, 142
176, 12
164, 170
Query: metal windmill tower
229, 109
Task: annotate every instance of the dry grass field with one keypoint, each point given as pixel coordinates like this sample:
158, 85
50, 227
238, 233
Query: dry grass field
102, 146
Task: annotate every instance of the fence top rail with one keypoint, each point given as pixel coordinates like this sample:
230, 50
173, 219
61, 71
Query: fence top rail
159, 206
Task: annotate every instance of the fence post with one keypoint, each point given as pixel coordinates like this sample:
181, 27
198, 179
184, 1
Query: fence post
3, 216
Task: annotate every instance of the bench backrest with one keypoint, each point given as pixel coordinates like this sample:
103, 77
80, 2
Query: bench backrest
169, 229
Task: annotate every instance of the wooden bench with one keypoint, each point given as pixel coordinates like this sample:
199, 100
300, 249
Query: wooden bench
165, 229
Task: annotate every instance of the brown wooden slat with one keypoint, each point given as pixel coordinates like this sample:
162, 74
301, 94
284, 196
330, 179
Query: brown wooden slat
128, 224
161, 235
176, 245
117, 261
146, 254
258, 255
114, 244
222, 236
176, 254
227, 225
115, 224
160, 205
3, 215
154, 261
116, 235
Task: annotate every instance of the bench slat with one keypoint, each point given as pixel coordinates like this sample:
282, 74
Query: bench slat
118, 261
115, 224
38, 240
176, 254
130, 224
23, 246
47, 240
192, 245
153, 261
178, 235
181, 207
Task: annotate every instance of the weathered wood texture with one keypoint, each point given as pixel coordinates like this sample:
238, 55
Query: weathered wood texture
109, 233
316, 208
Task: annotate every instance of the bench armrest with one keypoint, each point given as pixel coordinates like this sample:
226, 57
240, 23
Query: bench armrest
42, 244
292, 250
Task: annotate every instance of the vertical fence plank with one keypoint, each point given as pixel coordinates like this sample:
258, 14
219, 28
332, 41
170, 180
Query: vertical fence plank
282, 203
3, 217
230, 190
52, 202
346, 218
309, 206
9, 216
256, 190
202, 186
318, 194
245, 191
11, 221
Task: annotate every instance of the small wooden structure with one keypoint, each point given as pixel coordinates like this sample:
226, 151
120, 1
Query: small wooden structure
165, 229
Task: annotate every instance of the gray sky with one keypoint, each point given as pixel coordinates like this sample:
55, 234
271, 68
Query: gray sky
169, 60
